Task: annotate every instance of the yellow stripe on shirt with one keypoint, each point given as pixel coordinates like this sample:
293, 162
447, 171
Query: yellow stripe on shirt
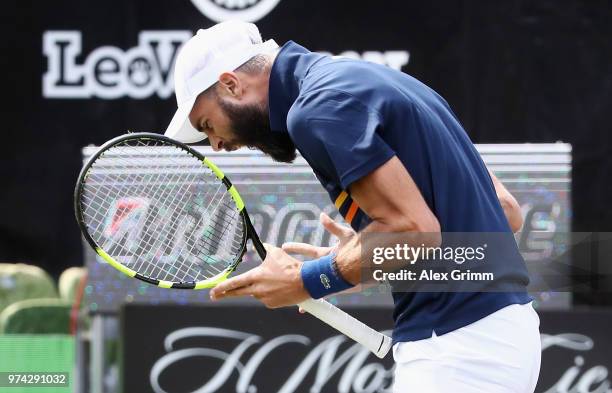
340, 200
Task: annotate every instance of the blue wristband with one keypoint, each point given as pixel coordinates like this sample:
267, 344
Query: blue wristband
321, 279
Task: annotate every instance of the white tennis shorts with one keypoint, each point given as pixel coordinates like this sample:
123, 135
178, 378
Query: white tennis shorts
497, 354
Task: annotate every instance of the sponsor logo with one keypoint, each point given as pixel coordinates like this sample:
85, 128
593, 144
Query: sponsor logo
298, 221
325, 281
109, 72
249, 355
577, 379
245, 10
133, 224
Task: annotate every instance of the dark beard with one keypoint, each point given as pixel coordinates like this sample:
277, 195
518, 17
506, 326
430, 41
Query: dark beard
251, 127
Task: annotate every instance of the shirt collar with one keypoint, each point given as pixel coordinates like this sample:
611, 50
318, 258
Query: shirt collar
289, 68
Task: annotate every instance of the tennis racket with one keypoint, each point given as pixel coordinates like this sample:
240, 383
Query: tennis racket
157, 210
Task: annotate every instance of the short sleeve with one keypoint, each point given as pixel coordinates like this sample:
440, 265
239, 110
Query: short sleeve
338, 135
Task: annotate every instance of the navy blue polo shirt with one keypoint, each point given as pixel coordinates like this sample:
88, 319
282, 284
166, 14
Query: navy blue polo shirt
348, 117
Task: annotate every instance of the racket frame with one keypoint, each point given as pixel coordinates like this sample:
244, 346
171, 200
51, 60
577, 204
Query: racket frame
249, 231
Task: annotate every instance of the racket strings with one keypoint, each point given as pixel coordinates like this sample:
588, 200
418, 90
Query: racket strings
172, 227
140, 179
158, 210
149, 272
219, 189
136, 180
214, 238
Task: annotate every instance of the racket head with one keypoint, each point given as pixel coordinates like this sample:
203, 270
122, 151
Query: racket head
126, 206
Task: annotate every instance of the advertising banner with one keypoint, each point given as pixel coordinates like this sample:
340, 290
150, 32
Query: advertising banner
237, 349
285, 201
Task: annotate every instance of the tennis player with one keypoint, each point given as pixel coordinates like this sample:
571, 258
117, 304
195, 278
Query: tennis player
393, 158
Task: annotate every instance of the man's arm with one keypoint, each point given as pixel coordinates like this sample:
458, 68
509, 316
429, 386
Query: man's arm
389, 196
512, 210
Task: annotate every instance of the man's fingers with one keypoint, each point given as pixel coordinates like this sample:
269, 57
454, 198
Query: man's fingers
335, 228
232, 284
238, 292
305, 249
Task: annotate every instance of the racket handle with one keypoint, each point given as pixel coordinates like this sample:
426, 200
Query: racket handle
378, 343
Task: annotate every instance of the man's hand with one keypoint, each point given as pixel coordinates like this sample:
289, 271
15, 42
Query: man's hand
276, 282
342, 232
512, 210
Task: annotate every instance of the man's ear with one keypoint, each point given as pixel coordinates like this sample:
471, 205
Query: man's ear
230, 84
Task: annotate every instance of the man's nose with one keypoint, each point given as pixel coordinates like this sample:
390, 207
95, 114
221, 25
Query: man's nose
216, 143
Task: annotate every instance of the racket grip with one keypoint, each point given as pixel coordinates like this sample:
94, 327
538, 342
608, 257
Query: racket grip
378, 343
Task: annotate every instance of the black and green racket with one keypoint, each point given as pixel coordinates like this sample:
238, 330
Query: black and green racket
157, 210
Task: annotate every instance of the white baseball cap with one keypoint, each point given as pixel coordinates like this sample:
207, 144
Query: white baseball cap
221, 48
